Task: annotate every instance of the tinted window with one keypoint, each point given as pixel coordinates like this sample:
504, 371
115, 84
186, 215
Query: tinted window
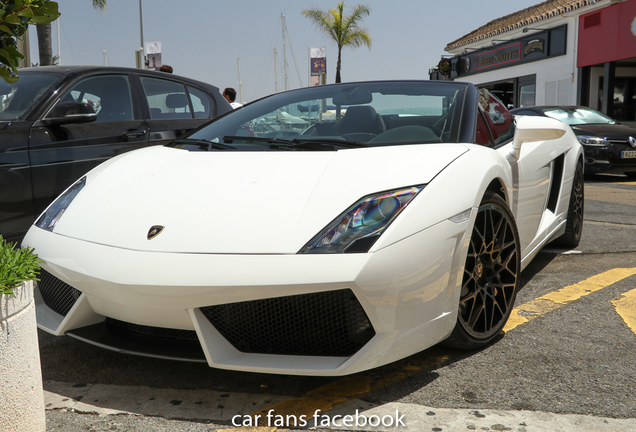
166, 99
202, 103
18, 98
109, 95
497, 117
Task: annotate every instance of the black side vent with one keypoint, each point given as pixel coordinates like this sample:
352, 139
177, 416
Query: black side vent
331, 323
557, 179
57, 295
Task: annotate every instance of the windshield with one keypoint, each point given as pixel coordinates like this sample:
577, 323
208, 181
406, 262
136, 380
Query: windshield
17, 99
579, 116
339, 116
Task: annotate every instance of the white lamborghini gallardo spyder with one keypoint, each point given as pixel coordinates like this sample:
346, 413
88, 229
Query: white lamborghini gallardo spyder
319, 231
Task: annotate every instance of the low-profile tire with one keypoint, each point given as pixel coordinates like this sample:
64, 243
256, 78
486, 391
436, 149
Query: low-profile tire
574, 224
491, 276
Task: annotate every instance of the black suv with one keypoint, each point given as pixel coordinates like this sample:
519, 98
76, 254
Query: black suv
56, 123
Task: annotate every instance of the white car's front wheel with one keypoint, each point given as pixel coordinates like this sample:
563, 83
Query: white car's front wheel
491, 276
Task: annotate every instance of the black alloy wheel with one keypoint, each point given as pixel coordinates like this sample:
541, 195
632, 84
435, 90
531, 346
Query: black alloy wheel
574, 224
491, 276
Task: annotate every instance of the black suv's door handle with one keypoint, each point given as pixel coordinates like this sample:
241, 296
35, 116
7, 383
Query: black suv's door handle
134, 133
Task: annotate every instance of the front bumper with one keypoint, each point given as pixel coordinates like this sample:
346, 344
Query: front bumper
609, 159
333, 314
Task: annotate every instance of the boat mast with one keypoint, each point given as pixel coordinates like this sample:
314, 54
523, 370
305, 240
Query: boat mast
275, 74
282, 17
238, 64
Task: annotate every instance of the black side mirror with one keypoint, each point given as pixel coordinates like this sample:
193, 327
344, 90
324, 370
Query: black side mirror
69, 112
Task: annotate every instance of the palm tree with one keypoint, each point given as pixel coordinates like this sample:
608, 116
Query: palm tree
45, 47
345, 30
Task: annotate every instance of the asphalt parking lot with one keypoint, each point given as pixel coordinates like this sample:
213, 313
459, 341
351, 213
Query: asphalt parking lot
565, 362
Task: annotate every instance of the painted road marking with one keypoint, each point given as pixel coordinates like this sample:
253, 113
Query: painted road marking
625, 306
352, 387
554, 300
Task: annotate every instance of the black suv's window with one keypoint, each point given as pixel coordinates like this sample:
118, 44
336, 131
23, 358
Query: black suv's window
202, 103
166, 99
109, 95
17, 99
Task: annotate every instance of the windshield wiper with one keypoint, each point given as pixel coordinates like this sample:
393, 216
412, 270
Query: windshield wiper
205, 145
231, 138
309, 143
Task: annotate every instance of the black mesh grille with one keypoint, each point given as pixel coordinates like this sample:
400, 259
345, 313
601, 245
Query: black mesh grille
329, 323
166, 338
56, 294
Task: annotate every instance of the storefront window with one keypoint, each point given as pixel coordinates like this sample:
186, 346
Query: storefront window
527, 95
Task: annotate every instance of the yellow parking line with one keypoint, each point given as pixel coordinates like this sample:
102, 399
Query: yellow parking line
326, 397
554, 300
625, 306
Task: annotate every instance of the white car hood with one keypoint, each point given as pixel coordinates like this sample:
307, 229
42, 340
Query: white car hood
227, 202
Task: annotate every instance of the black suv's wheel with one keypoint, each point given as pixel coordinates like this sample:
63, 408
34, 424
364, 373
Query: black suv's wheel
491, 276
574, 224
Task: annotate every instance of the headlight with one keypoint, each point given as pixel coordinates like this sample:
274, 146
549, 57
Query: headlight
357, 229
54, 212
593, 141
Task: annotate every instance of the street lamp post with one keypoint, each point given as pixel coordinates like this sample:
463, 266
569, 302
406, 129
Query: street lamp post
141, 61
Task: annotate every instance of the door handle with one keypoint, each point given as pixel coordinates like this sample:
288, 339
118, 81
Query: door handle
134, 133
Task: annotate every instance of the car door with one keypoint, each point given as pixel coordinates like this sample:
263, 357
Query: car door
174, 107
61, 154
531, 172
18, 103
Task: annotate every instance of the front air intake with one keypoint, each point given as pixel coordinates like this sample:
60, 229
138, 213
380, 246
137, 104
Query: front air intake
57, 295
331, 323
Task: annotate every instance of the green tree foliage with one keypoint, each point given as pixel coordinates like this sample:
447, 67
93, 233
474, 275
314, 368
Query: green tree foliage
344, 29
15, 17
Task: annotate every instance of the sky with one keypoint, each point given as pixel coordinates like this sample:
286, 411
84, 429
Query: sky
231, 43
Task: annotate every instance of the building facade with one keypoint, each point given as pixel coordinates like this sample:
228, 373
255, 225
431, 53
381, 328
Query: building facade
565, 52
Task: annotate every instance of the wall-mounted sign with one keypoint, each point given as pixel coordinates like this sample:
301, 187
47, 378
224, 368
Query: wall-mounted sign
535, 45
499, 56
445, 66
466, 63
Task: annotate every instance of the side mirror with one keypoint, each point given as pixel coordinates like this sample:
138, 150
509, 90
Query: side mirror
69, 112
533, 128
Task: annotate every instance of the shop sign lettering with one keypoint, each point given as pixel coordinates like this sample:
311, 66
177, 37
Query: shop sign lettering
535, 45
507, 54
